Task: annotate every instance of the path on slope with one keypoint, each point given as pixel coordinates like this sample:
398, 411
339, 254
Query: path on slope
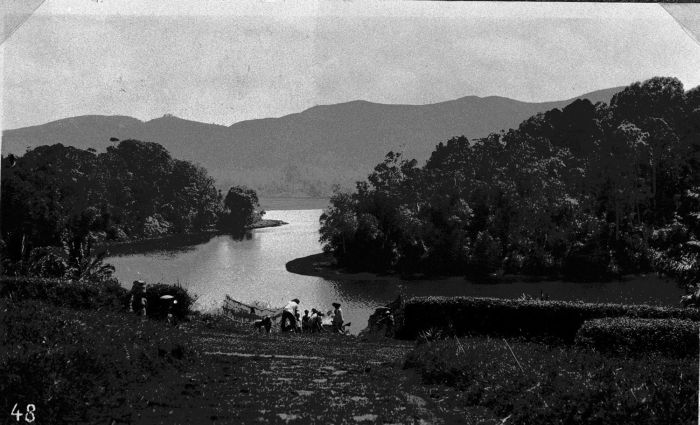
244, 377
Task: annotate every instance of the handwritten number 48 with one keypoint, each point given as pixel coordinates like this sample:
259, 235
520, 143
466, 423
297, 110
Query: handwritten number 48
28, 417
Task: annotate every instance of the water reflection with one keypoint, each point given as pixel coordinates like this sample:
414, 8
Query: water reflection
170, 245
252, 268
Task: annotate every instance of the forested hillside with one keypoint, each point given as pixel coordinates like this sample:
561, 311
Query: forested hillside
59, 201
586, 191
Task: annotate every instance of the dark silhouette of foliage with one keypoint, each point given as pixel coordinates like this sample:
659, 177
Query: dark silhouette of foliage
240, 209
518, 317
107, 294
633, 336
59, 202
158, 308
585, 192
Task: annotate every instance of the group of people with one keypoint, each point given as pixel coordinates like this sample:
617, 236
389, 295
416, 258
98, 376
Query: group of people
138, 302
309, 323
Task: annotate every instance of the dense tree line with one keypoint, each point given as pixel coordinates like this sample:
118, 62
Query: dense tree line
58, 201
587, 191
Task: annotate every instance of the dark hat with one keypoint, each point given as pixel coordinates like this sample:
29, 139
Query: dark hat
337, 305
296, 300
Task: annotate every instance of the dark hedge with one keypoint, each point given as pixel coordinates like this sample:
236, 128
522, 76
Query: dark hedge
631, 336
64, 293
509, 317
88, 295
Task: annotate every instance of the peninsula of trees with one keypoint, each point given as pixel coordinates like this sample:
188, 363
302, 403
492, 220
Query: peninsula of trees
584, 192
58, 202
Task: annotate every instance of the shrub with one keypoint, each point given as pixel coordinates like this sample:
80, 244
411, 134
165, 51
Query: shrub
64, 293
632, 336
116, 233
507, 317
158, 308
156, 226
558, 385
88, 295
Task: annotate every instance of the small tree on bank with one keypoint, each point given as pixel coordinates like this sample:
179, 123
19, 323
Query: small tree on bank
241, 209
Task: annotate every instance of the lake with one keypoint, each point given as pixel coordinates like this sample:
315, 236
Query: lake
253, 269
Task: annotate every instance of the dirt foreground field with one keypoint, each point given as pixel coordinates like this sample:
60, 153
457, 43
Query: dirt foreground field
244, 377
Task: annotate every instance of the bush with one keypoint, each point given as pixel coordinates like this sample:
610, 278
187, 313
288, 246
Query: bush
632, 336
558, 385
156, 226
74, 365
158, 308
64, 293
507, 317
88, 295
116, 233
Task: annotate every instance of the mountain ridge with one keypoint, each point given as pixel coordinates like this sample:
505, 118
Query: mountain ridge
300, 153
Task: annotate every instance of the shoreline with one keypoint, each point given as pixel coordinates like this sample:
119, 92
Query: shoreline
183, 238
323, 265
261, 224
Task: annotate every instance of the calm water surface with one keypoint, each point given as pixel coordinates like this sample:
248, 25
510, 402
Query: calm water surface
253, 269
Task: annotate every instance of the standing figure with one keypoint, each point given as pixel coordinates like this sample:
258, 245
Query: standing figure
138, 302
337, 318
297, 327
289, 315
316, 321
387, 321
305, 322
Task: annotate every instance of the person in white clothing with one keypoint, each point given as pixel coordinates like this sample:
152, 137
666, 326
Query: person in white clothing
289, 315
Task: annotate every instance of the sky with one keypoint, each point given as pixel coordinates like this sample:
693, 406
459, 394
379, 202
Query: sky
224, 62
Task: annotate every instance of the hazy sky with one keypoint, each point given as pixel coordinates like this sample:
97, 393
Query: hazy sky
199, 61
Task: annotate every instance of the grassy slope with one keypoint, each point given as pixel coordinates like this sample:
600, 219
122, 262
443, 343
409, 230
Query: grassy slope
208, 370
86, 366
531, 383
82, 365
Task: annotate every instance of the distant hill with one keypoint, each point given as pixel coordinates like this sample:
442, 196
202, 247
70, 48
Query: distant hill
303, 153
